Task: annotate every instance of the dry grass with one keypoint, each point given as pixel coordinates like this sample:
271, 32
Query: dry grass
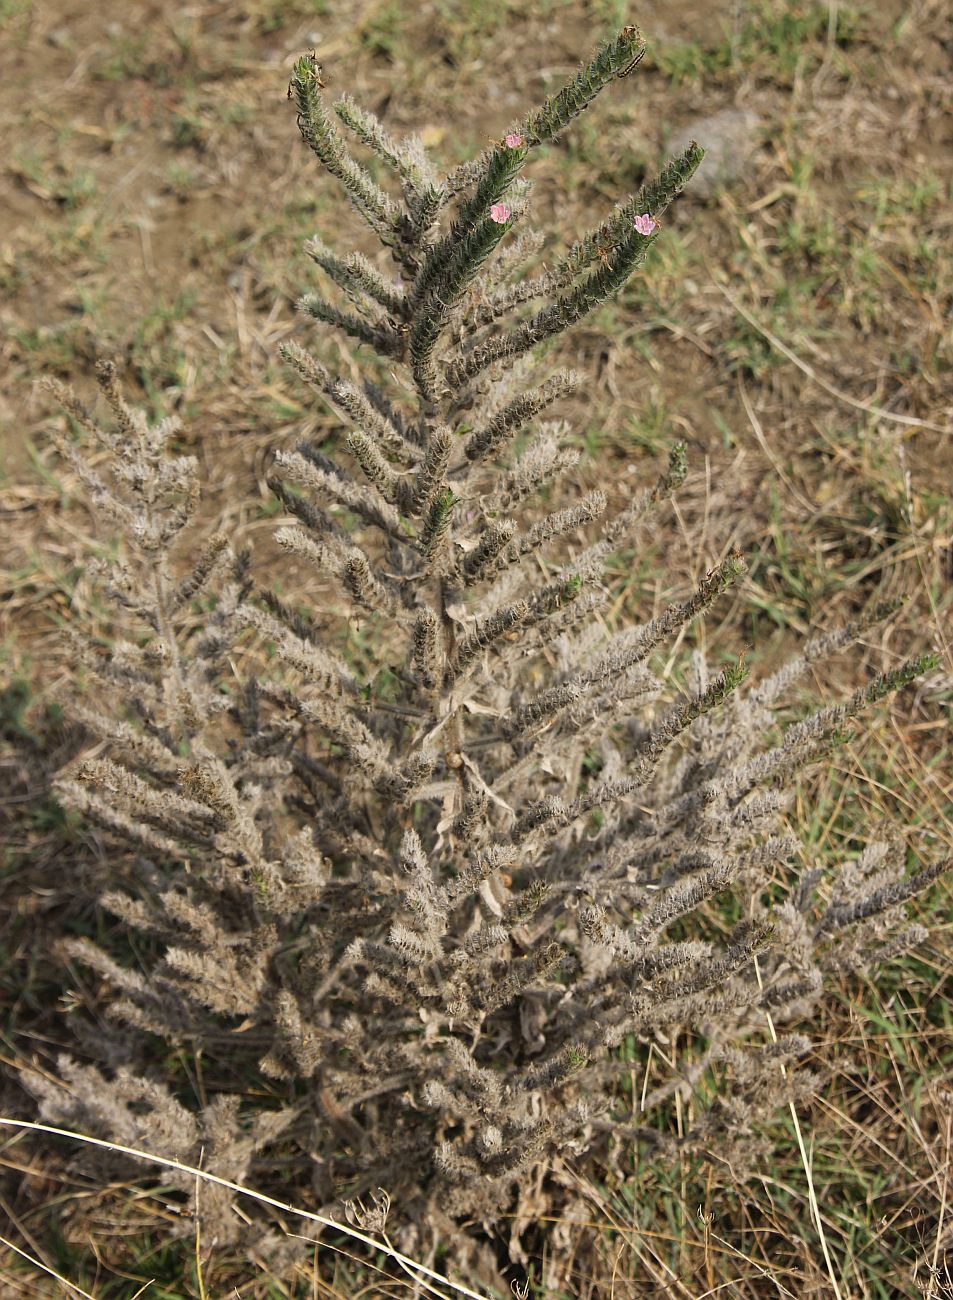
793, 328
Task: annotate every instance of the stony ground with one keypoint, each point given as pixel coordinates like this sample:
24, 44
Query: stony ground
793, 326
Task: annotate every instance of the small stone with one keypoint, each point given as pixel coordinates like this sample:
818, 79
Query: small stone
729, 138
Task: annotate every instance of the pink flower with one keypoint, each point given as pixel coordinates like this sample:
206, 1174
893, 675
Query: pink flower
645, 224
513, 140
500, 213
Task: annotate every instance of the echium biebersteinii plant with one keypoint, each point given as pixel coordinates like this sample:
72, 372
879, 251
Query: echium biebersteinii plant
423, 905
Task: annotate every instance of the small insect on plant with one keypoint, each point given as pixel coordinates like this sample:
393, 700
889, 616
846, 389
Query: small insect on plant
639, 56
317, 74
603, 250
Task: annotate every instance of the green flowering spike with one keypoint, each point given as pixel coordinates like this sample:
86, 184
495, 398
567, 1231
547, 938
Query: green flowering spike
577, 1058
569, 308
652, 199
602, 284
560, 1068
322, 136
729, 571
469, 256
437, 526
557, 596
885, 684
727, 681
502, 170
882, 610
613, 59
657, 195
425, 208
677, 470
681, 717
895, 680
432, 315
498, 170
570, 589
